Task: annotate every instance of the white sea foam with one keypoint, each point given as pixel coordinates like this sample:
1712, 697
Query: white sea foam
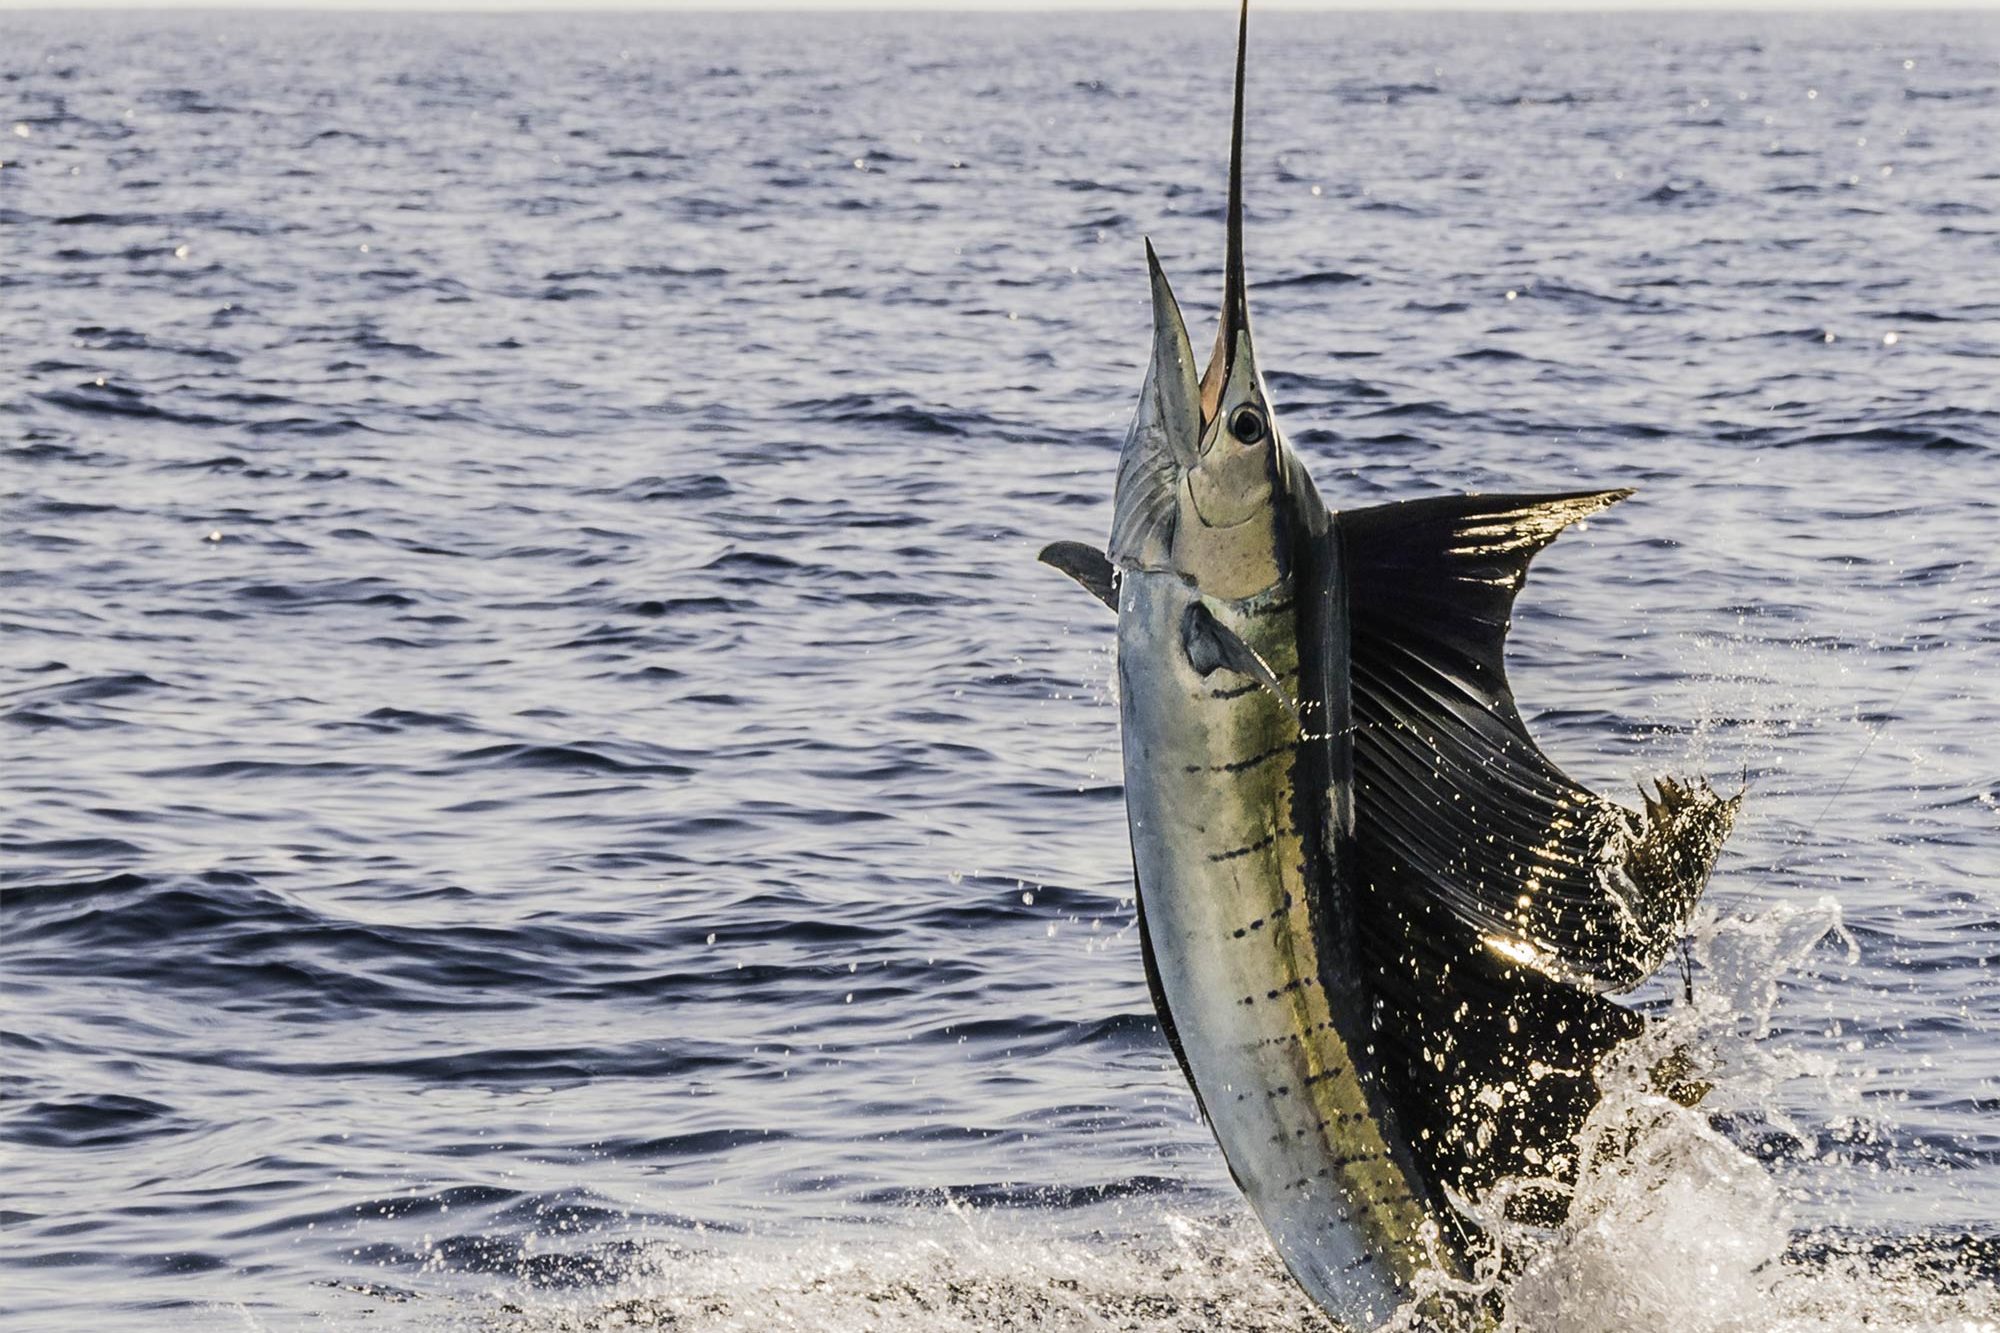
948, 1272
1673, 1226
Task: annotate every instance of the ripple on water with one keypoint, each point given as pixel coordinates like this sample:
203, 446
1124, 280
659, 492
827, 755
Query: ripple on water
546, 785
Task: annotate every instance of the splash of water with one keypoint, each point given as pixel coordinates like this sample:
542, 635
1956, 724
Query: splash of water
1672, 1225
950, 1271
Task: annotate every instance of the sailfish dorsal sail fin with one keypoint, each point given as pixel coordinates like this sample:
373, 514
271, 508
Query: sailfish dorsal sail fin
1455, 805
1492, 898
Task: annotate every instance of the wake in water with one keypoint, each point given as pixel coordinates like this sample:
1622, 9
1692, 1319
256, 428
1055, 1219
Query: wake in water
1672, 1226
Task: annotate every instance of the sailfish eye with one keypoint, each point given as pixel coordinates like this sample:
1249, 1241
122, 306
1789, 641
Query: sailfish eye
1247, 424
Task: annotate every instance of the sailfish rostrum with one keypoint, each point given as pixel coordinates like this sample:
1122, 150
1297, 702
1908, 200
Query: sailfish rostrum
1379, 924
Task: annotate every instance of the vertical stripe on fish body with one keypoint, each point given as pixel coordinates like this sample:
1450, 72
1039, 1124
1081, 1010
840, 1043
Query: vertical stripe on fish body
1224, 869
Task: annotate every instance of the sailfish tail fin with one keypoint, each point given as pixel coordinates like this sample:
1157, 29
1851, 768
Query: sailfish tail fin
1493, 899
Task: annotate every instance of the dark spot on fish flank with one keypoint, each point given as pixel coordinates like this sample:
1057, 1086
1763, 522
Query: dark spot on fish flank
1256, 846
1241, 931
1243, 765
1238, 691
1296, 983
1284, 1091
1249, 999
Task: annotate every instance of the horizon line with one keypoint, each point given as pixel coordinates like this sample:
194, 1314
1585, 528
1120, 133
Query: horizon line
474, 8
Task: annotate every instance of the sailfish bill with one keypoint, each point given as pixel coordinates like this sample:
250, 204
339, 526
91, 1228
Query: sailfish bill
1379, 924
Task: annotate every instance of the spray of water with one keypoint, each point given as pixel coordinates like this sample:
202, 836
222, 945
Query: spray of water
952, 1271
1672, 1225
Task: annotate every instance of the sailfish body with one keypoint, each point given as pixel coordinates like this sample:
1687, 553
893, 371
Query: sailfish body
1378, 923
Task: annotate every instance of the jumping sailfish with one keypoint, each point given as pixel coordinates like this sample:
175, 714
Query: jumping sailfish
1378, 923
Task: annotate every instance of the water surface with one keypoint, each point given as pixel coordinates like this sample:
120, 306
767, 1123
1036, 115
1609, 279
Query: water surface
544, 784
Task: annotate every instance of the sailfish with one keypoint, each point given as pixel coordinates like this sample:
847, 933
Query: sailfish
1379, 925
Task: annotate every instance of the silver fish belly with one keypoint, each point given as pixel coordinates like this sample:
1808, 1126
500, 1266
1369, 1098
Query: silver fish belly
1279, 1064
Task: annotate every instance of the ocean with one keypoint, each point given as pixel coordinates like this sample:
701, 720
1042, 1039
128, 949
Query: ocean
544, 786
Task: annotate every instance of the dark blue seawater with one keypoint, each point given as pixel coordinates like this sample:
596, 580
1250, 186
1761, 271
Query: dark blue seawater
545, 788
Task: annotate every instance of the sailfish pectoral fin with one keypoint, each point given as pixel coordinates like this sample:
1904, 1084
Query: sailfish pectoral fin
1087, 565
1455, 806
